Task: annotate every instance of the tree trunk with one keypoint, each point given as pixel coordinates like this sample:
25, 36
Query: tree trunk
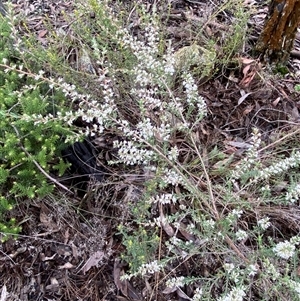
277, 38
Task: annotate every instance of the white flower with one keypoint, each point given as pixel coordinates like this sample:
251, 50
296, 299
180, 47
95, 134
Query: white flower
145, 129
252, 270
150, 268
264, 223
241, 235
130, 154
171, 177
163, 199
293, 194
173, 153
197, 294
284, 249
209, 223
237, 213
175, 282
237, 294
295, 286
234, 215
228, 267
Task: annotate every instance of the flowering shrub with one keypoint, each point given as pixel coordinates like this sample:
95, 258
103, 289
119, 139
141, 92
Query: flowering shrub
218, 229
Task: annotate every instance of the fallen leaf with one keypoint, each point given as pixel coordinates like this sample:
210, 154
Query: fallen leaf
122, 285
42, 33
54, 286
163, 221
247, 110
92, 261
169, 290
239, 144
246, 61
241, 99
66, 266
3, 293
275, 102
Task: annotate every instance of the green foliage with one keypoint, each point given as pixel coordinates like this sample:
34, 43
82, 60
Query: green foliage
26, 146
141, 247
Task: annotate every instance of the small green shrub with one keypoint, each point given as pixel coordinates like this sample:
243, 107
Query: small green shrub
29, 150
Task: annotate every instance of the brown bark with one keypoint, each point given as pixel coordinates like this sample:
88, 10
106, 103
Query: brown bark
277, 38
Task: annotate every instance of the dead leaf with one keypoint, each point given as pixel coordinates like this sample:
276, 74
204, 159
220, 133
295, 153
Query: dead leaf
92, 261
74, 251
54, 286
4, 293
182, 294
239, 144
118, 272
295, 114
169, 290
66, 235
249, 71
164, 223
246, 61
244, 96
275, 102
66, 266
42, 33
188, 236
46, 258
247, 110
47, 219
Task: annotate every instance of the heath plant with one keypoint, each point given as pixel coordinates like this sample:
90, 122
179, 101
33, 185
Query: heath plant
29, 150
189, 234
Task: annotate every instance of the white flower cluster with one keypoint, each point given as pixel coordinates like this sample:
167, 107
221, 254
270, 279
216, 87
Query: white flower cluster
145, 129
252, 270
147, 268
150, 268
197, 294
228, 267
130, 154
98, 113
193, 97
285, 249
235, 274
264, 223
234, 215
295, 286
280, 167
236, 294
293, 194
209, 223
171, 177
251, 155
241, 235
163, 199
175, 282
173, 153
159, 221
149, 69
